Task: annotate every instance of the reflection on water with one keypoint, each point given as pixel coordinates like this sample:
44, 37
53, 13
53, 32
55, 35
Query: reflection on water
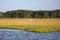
8, 34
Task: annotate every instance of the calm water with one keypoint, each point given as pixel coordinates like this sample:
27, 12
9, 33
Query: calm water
9, 34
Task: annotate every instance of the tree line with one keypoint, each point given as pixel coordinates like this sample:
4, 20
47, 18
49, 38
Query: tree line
30, 14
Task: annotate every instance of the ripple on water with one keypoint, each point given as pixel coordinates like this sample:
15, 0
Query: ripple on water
19, 35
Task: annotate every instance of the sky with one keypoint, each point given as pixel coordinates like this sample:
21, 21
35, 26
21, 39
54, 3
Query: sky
7, 5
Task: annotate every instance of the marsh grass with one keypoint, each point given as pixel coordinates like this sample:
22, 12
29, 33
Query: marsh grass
36, 25
32, 28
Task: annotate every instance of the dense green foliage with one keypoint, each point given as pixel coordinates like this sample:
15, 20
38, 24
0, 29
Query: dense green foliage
30, 14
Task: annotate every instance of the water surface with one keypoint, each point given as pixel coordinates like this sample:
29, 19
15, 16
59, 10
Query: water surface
10, 34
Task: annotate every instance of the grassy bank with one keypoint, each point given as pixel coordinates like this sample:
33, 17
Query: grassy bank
36, 25
33, 28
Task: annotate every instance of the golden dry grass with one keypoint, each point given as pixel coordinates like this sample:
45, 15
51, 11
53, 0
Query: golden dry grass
17, 21
35, 25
